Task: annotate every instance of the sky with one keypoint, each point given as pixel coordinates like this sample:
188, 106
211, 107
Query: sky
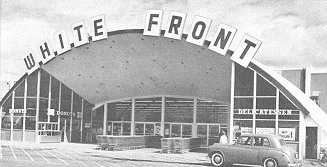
293, 32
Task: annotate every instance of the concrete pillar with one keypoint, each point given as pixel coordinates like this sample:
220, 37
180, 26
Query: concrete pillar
133, 117
162, 123
25, 106
231, 112
194, 125
105, 116
37, 104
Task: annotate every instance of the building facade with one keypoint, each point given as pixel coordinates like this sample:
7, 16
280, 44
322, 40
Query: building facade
132, 84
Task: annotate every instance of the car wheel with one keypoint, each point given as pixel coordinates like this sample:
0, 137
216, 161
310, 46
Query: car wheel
217, 159
270, 162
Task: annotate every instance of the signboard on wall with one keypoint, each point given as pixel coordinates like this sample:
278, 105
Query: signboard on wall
269, 131
287, 133
246, 130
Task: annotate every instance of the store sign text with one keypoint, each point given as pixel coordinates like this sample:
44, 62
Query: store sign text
17, 111
265, 111
245, 51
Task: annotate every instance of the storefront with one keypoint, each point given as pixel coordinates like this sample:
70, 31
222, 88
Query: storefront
133, 84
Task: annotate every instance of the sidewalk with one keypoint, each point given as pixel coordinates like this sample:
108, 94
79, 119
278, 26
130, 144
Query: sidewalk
147, 153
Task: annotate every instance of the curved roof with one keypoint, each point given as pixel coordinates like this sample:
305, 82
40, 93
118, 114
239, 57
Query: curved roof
129, 64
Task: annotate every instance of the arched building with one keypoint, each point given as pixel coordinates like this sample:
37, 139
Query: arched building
131, 84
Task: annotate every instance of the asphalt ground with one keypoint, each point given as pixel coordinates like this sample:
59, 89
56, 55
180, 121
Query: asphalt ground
87, 155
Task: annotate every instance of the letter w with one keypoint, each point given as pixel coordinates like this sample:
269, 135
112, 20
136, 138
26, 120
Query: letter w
30, 62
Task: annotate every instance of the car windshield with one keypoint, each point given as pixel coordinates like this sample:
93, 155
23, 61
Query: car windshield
282, 142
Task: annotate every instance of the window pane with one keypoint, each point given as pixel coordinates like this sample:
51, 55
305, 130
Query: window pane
243, 103
43, 113
6, 122
31, 107
44, 87
7, 105
266, 104
243, 81
121, 111
264, 88
284, 103
289, 130
54, 88
139, 129
242, 127
19, 92
32, 85
77, 105
179, 110
65, 93
211, 112
87, 108
18, 122
148, 110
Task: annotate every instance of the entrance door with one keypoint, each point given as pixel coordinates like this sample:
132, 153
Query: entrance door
311, 143
213, 134
203, 135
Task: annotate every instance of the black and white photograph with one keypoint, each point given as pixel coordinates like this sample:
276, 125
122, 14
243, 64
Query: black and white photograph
163, 83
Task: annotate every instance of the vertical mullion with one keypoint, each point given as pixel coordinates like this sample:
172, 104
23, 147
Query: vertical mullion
254, 101
38, 102
12, 116
49, 98
71, 115
231, 113
25, 108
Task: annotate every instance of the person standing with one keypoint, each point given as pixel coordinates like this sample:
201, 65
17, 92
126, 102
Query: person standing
223, 137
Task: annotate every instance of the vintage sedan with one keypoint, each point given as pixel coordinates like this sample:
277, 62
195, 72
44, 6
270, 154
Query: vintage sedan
254, 150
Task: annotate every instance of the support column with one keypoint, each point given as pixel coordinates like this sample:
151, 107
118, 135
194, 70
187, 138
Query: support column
82, 121
162, 122
12, 116
71, 116
49, 98
254, 101
105, 116
231, 112
133, 117
302, 136
37, 104
59, 108
194, 125
25, 106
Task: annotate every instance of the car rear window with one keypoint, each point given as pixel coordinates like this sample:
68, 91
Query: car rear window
282, 142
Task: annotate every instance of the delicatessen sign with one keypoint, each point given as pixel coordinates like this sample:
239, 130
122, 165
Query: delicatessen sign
264, 111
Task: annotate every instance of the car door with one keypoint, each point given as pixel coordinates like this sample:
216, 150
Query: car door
261, 147
243, 152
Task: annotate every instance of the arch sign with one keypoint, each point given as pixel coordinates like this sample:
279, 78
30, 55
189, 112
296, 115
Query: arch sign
222, 39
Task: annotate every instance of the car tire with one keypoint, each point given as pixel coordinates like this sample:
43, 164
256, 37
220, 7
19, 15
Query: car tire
270, 162
217, 159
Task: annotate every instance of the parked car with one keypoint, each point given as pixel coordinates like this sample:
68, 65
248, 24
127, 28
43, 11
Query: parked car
254, 149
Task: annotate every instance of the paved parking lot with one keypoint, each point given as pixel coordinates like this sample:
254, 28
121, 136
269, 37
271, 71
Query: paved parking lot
86, 155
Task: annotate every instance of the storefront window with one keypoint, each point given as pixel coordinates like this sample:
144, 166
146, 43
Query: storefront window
265, 104
242, 127
243, 81
179, 110
264, 88
289, 130
211, 112
265, 127
77, 106
139, 129
148, 110
149, 129
44, 84
32, 84
43, 112
187, 131
66, 93
18, 122
121, 111
19, 92
30, 118
55, 87
6, 118
176, 130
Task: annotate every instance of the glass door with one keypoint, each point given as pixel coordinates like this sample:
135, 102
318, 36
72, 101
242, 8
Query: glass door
117, 128
203, 135
213, 134
176, 130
